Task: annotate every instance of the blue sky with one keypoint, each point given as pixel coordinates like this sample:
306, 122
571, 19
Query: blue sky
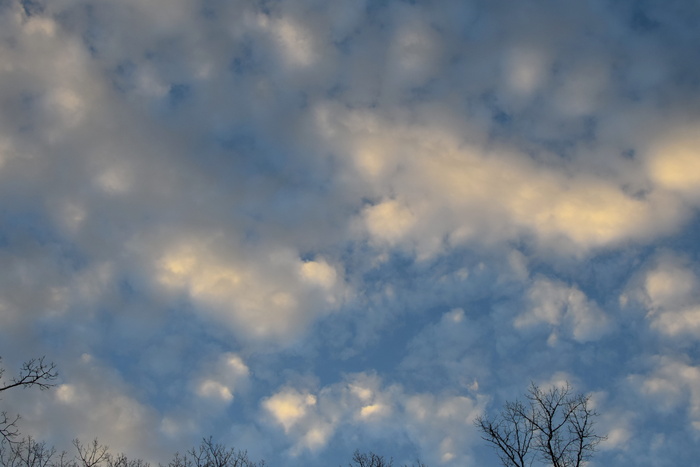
306, 227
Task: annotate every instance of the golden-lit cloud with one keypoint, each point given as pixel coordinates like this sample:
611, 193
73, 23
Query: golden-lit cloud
289, 406
434, 186
674, 161
273, 296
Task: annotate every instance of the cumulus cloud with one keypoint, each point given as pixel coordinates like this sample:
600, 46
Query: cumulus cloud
439, 424
672, 383
673, 161
439, 188
566, 310
305, 225
274, 295
667, 291
224, 379
94, 402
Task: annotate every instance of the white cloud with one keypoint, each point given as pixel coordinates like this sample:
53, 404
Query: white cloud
289, 406
439, 424
315, 145
434, 186
388, 221
565, 309
685, 321
297, 42
226, 377
274, 295
319, 273
443, 426
672, 298
94, 402
215, 390
673, 383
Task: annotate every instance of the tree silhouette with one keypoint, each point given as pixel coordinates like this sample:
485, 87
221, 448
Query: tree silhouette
28, 452
371, 459
211, 454
35, 372
554, 426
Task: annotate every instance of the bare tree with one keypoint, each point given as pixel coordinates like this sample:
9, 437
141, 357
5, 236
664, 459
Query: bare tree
371, 459
26, 453
511, 433
554, 426
120, 460
93, 454
211, 454
35, 372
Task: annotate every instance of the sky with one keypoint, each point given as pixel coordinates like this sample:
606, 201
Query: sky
307, 227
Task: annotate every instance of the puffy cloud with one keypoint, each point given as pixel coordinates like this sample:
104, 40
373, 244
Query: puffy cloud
95, 402
319, 273
666, 291
274, 295
673, 301
289, 406
672, 383
681, 322
674, 161
439, 424
224, 379
215, 390
443, 425
297, 43
565, 309
436, 186
209, 196
388, 221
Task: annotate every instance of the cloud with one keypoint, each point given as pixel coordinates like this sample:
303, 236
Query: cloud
672, 384
439, 424
566, 310
417, 207
438, 190
665, 290
289, 406
388, 221
674, 161
673, 302
526, 69
450, 352
95, 402
273, 295
224, 379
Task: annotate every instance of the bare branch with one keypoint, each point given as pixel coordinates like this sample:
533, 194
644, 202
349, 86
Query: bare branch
34, 372
211, 454
370, 459
120, 460
8, 427
510, 433
556, 424
27, 453
91, 455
